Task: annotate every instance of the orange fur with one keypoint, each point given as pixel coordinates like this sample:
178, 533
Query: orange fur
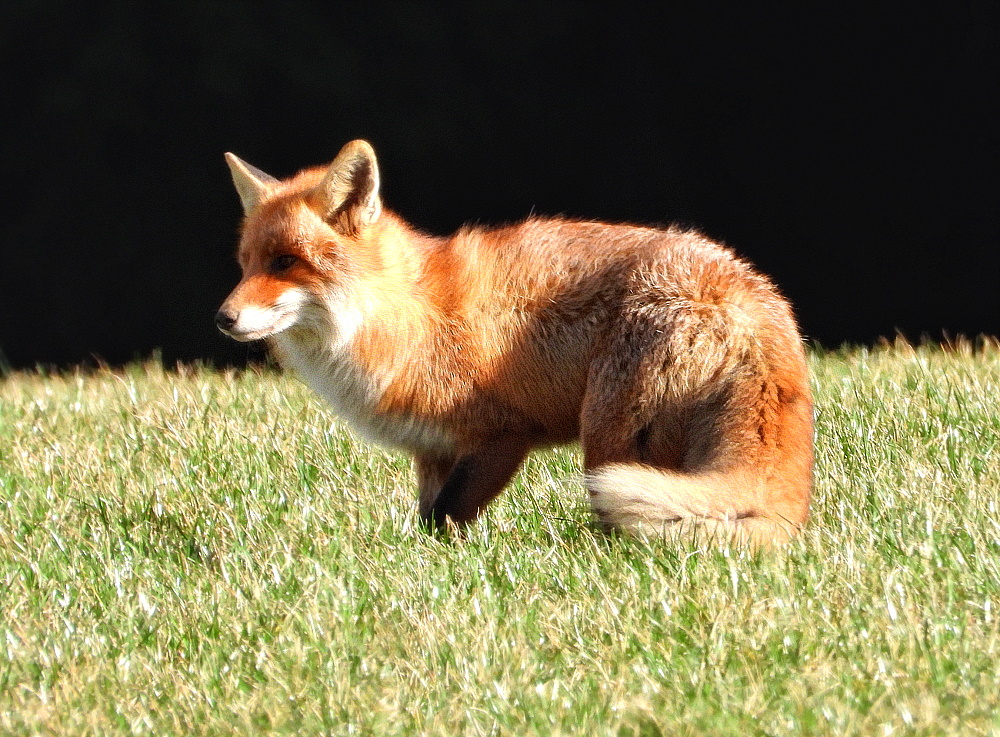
677, 366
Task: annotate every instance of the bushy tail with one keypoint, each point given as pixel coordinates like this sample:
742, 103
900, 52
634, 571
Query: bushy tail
709, 507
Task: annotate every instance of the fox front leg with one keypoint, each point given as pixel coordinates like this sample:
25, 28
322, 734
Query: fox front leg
472, 481
432, 472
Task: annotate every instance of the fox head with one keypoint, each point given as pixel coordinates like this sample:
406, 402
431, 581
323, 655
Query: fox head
301, 246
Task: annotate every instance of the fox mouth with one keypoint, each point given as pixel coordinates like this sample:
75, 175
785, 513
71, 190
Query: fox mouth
256, 322
253, 335
248, 333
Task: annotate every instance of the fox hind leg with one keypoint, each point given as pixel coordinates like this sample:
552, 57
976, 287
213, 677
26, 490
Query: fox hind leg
688, 425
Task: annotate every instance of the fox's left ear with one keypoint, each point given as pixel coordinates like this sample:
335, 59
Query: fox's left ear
348, 194
252, 184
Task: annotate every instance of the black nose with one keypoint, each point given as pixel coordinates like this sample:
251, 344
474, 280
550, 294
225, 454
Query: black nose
224, 319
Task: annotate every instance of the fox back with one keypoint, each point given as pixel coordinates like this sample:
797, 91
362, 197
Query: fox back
676, 365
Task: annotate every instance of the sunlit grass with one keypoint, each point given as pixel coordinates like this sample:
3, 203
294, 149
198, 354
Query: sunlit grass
199, 553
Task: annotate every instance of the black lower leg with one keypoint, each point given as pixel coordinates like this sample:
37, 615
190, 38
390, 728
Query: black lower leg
454, 487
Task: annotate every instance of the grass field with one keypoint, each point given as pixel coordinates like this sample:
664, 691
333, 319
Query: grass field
200, 553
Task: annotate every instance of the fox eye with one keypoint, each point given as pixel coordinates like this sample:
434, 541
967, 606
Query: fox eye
282, 263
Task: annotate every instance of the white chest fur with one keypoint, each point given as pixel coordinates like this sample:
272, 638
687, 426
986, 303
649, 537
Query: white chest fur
329, 369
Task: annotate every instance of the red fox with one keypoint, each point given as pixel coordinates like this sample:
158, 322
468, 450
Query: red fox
677, 366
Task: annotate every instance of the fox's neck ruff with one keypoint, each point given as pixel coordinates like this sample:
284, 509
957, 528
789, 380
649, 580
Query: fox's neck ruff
365, 354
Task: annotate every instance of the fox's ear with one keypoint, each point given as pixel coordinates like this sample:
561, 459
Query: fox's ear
348, 194
251, 183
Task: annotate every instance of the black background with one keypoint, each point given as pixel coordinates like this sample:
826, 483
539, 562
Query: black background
850, 153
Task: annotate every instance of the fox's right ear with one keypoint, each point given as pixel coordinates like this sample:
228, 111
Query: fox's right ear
251, 183
348, 194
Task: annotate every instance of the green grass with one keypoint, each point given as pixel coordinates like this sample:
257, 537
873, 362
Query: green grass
198, 553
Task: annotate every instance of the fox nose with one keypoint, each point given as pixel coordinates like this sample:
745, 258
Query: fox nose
224, 320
